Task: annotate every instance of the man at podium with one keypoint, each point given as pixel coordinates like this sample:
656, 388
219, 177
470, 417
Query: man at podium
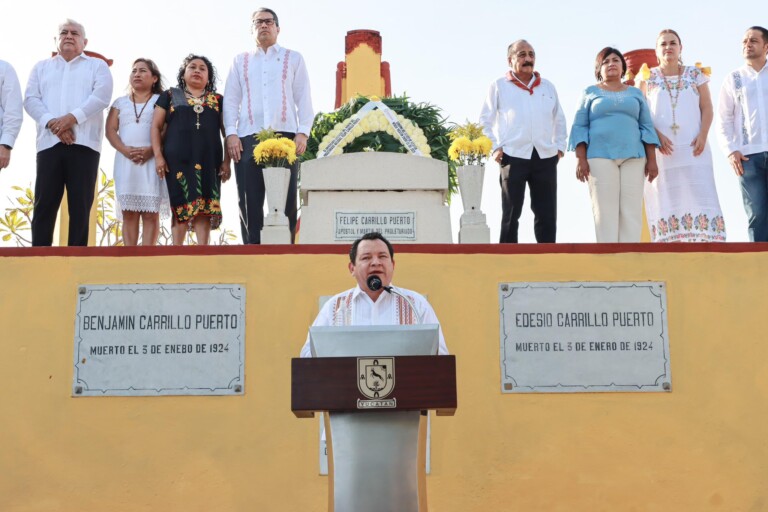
375, 301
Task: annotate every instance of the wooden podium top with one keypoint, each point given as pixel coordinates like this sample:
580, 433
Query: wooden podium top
360, 384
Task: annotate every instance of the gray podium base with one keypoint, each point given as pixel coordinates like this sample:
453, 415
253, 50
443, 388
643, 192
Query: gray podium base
375, 461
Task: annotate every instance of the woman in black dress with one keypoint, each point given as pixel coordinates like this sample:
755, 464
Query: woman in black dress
190, 154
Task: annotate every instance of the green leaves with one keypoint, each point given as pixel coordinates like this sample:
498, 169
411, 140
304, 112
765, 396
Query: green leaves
428, 117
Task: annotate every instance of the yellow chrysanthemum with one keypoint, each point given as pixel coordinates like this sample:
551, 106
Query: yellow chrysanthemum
482, 146
179, 175
198, 167
706, 70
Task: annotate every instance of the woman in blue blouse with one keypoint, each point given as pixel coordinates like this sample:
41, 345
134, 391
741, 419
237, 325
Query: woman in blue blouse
615, 143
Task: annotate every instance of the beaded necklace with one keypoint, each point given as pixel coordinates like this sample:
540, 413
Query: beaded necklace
137, 113
673, 100
197, 104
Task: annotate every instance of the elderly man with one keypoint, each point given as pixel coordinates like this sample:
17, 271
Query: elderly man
523, 118
66, 96
11, 112
266, 88
743, 128
373, 255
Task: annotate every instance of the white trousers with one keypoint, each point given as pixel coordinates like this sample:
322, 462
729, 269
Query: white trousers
616, 188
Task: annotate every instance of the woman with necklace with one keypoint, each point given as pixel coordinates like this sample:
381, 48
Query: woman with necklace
682, 204
614, 141
141, 195
190, 156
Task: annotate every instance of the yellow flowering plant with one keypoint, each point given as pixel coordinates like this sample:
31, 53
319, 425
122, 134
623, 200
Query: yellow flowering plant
273, 150
469, 146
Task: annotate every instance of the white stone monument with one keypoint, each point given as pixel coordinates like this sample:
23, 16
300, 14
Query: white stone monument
402, 196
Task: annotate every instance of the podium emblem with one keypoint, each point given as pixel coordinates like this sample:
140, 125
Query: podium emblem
376, 381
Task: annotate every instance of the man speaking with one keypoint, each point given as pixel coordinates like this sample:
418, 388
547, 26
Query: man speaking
374, 301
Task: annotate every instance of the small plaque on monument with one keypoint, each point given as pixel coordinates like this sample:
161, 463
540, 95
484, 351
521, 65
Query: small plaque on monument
159, 339
584, 337
396, 226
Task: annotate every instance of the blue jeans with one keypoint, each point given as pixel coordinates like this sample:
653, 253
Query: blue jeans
754, 192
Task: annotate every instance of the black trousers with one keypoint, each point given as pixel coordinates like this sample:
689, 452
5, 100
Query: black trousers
72, 167
541, 177
251, 192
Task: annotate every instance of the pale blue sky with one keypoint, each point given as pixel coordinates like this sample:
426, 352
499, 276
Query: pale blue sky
440, 52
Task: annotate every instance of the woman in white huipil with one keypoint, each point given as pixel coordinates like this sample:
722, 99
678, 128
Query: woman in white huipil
141, 194
681, 204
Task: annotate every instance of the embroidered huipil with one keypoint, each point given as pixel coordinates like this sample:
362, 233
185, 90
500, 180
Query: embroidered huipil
355, 307
11, 112
81, 87
742, 113
268, 90
518, 121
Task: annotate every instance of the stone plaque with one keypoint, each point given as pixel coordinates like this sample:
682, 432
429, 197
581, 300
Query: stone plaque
159, 339
396, 226
584, 337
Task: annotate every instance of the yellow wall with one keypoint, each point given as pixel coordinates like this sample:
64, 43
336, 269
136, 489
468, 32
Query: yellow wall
701, 447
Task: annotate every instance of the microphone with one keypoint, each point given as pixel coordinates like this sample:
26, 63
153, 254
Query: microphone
374, 284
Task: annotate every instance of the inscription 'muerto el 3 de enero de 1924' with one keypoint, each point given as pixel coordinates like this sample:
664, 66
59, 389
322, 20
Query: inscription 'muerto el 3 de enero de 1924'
582, 337
159, 339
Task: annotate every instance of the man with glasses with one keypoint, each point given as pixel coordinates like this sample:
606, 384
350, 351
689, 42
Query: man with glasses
523, 118
266, 88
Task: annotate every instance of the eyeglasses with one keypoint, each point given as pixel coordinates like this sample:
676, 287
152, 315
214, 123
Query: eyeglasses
266, 22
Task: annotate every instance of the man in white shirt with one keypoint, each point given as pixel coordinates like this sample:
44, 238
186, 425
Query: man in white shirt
743, 128
66, 96
373, 255
11, 112
266, 88
523, 118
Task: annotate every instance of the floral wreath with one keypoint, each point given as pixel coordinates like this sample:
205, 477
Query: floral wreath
382, 119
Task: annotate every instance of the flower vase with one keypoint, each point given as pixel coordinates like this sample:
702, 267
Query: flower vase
276, 182
474, 229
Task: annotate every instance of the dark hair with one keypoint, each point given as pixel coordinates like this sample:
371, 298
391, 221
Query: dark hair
369, 236
158, 86
211, 85
674, 33
762, 30
602, 55
266, 9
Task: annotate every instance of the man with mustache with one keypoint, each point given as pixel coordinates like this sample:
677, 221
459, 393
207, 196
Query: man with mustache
523, 118
266, 88
743, 128
373, 255
66, 96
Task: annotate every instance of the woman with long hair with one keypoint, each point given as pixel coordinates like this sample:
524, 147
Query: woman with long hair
140, 194
682, 204
190, 155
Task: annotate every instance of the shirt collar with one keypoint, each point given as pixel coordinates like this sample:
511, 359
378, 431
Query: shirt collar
81, 56
752, 70
357, 292
275, 48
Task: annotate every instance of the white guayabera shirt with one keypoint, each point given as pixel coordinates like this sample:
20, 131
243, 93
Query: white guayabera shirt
743, 111
81, 87
355, 307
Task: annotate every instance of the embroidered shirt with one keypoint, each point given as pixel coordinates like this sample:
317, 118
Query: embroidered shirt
742, 113
268, 89
355, 307
11, 111
81, 87
518, 121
